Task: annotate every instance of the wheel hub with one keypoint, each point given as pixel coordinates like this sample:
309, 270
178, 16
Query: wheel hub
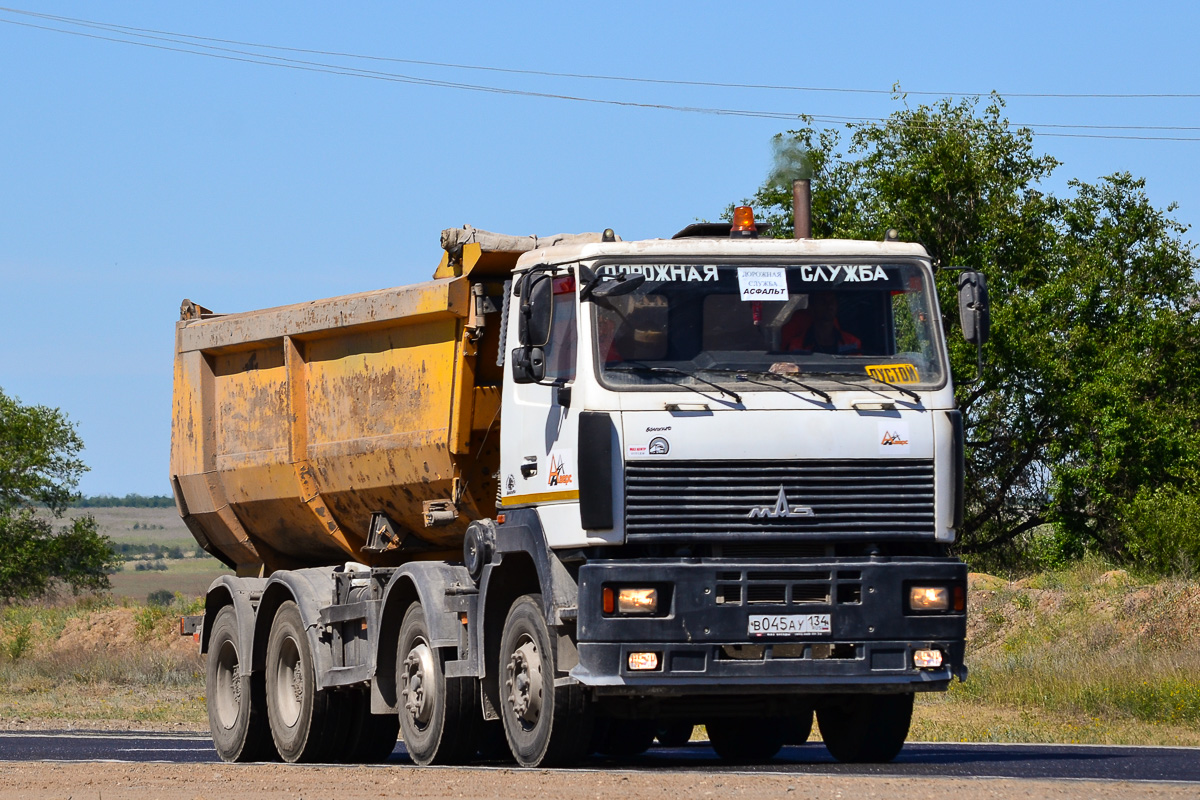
298, 683
417, 689
524, 683
291, 683
228, 700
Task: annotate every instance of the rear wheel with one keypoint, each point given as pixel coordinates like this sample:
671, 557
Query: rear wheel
546, 725
866, 729
746, 741
237, 712
302, 721
439, 716
372, 737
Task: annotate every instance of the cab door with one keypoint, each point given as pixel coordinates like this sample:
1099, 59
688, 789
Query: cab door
539, 431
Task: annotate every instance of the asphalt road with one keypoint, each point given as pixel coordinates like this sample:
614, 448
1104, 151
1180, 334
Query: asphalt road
1089, 762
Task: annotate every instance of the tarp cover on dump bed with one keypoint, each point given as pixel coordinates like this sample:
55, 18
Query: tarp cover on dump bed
453, 240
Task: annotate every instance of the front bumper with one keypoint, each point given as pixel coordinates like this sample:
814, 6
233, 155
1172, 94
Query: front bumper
704, 647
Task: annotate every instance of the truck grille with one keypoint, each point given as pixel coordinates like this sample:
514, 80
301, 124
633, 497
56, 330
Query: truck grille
756, 499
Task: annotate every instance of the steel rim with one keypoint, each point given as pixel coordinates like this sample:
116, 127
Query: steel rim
290, 682
524, 683
418, 689
228, 700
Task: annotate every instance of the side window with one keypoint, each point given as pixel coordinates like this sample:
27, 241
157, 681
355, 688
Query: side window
911, 324
564, 339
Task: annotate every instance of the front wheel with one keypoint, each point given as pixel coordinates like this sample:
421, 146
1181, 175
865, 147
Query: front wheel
546, 725
746, 741
237, 708
866, 729
623, 737
674, 734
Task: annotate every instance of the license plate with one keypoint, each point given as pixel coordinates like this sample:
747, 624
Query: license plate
789, 624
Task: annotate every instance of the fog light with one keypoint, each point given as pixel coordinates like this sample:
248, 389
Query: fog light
647, 661
928, 598
927, 659
637, 601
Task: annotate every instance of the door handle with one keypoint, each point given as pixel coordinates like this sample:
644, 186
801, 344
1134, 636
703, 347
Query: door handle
529, 469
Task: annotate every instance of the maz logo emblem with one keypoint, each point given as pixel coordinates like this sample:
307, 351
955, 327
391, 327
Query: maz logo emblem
781, 509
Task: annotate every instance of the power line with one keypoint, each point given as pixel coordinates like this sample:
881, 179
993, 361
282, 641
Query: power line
620, 78
171, 42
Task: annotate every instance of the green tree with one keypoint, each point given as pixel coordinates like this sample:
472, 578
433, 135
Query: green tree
1093, 359
39, 469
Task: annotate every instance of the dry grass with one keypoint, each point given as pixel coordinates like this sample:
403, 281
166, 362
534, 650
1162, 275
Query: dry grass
93, 664
1086, 655
1089, 655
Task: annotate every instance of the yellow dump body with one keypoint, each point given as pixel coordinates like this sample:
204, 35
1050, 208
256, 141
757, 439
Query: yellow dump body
293, 425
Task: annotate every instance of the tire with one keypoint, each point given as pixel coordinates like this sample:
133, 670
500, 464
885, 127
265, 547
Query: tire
797, 729
546, 725
237, 712
746, 741
371, 737
623, 738
493, 744
439, 717
866, 729
674, 734
303, 724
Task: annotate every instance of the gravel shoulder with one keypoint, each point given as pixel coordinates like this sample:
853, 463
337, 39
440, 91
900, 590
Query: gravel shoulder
33, 781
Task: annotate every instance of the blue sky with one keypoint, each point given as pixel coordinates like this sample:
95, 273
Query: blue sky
133, 177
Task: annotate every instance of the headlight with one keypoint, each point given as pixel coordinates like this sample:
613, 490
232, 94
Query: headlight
637, 601
929, 598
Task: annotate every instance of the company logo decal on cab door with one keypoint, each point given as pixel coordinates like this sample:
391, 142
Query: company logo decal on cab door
558, 472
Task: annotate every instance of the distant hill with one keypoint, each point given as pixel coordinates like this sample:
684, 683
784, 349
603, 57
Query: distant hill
128, 501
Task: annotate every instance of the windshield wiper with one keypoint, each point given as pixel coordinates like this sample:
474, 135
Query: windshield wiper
823, 395
888, 384
637, 366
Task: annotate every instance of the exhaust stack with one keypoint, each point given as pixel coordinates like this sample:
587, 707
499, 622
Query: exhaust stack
802, 208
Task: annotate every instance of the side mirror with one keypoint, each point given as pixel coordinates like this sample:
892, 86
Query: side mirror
537, 305
528, 364
974, 313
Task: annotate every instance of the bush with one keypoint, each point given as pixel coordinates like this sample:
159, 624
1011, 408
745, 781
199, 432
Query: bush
1162, 530
161, 597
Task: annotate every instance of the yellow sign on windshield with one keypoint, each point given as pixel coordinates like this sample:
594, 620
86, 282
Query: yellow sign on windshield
894, 373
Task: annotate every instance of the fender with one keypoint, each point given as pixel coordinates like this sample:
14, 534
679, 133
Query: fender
433, 583
522, 533
310, 589
443, 590
243, 594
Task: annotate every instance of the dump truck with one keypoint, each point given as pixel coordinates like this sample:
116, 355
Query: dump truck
576, 493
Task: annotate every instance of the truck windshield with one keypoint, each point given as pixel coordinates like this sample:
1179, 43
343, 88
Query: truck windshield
832, 324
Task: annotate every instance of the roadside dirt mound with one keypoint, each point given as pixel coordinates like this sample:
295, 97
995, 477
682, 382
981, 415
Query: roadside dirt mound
1111, 611
119, 630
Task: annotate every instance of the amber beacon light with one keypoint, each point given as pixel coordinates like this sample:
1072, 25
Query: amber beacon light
743, 219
